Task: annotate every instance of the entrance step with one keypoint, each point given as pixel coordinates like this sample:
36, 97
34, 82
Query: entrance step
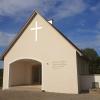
27, 88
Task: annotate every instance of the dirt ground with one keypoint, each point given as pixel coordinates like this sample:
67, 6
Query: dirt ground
30, 95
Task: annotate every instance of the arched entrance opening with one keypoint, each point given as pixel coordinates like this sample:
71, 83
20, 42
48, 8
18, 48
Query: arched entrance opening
25, 72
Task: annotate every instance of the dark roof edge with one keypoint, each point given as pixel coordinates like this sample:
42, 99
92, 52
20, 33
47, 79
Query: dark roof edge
68, 40
63, 35
18, 35
23, 29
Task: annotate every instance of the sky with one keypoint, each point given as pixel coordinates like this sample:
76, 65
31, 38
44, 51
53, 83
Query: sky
79, 20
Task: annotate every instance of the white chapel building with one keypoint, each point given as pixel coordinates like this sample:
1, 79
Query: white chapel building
41, 54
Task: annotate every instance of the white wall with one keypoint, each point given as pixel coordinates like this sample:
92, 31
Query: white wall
20, 74
86, 81
58, 58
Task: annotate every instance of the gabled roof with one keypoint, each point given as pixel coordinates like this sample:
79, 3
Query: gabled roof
23, 29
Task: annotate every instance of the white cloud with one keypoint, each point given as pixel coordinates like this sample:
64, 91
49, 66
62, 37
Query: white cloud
83, 39
90, 42
5, 39
88, 30
69, 8
96, 8
98, 40
13, 7
58, 8
98, 25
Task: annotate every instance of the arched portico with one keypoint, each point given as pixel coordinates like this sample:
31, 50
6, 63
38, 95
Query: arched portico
25, 72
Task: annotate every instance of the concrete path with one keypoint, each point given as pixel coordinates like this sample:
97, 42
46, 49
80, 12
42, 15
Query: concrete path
30, 95
27, 88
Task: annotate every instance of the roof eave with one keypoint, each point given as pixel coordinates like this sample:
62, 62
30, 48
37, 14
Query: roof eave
19, 34
23, 29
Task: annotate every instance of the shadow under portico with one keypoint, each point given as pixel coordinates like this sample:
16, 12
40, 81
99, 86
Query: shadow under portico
25, 74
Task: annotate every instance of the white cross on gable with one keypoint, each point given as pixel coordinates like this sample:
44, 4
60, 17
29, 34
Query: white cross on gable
36, 28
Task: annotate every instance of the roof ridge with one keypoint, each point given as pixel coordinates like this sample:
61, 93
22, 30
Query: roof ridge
35, 12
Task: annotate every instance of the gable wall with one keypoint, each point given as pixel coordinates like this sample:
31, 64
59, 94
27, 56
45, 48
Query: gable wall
58, 58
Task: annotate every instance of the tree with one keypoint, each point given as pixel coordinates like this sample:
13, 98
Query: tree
94, 64
90, 53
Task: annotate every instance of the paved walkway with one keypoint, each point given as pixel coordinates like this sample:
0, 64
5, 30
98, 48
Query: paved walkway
32, 95
27, 88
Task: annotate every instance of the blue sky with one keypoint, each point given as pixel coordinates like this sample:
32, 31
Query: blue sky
79, 20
